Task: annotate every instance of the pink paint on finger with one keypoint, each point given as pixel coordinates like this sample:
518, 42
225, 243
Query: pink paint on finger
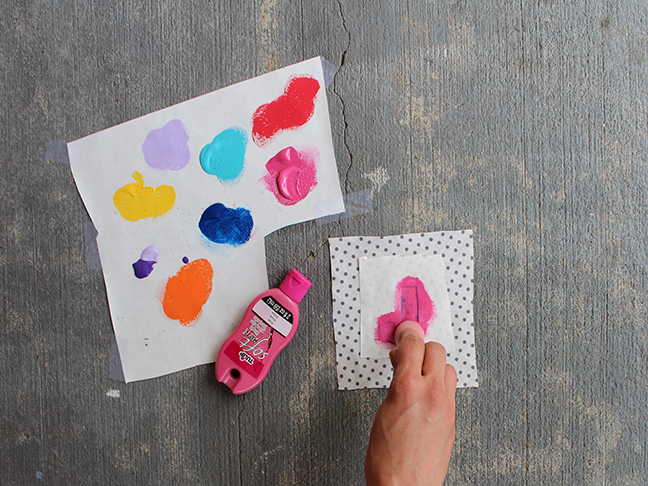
292, 174
412, 303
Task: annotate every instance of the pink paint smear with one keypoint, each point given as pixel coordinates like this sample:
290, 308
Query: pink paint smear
411, 303
292, 174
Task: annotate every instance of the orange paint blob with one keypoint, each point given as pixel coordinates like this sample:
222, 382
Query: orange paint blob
187, 291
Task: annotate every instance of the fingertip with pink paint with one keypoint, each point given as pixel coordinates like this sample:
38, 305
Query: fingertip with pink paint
408, 325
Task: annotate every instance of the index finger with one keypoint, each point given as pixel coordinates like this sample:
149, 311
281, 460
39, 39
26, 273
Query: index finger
435, 359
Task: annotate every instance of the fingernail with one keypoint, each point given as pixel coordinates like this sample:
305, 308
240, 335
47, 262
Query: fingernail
408, 325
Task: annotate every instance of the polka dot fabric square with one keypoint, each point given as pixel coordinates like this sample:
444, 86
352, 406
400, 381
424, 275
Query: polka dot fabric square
456, 249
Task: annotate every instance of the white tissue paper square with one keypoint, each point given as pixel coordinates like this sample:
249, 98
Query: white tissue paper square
456, 250
396, 288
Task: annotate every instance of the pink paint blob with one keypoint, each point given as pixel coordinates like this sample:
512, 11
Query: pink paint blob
292, 174
411, 302
288, 182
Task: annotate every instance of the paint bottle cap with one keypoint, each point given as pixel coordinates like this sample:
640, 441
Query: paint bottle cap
295, 285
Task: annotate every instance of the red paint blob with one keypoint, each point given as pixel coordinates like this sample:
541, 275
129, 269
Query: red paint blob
411, 302
292, 174
187, 291
291, 110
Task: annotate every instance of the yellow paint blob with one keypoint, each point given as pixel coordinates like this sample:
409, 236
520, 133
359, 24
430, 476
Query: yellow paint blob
136, 201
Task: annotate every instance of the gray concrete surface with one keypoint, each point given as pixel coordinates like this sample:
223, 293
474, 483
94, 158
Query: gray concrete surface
525, 121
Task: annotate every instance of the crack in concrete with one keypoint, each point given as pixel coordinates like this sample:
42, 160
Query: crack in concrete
344, 119
314, 253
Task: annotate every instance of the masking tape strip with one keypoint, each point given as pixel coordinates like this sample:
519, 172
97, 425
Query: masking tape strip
91, 250
356, 203
116, 370
329, 71
57, 152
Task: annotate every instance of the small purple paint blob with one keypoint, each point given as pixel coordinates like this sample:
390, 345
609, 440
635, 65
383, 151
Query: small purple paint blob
185, 260
144, 266
167, 147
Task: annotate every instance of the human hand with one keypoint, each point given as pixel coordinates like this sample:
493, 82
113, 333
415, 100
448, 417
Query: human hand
412, 435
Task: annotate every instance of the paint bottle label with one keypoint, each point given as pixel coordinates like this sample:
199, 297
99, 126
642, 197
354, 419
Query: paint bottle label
267, 327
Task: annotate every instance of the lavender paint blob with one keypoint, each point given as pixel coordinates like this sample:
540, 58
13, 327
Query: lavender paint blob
150, 254
167, 147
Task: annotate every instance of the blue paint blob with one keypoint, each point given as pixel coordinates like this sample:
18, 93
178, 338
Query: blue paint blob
224, 157
224, 225
143, 268
185, 260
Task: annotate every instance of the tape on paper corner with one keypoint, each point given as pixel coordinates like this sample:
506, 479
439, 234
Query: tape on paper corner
93, 261
57, 151
356, 203
329, 70
116, 368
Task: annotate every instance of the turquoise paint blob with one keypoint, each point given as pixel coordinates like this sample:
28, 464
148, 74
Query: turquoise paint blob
229, 226
224, 157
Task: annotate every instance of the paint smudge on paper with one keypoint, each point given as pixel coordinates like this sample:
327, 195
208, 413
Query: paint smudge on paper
229, 226
294, 108
136, 201
187, 292
292, 174
167, 147
224, 157
411, 302
144, 266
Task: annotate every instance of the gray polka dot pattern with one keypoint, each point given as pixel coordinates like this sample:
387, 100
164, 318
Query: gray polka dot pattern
456, 249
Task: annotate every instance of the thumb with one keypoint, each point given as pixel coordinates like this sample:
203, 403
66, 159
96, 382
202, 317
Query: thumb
410, 352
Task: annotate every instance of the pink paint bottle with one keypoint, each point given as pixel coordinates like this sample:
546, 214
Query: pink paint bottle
268, 325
